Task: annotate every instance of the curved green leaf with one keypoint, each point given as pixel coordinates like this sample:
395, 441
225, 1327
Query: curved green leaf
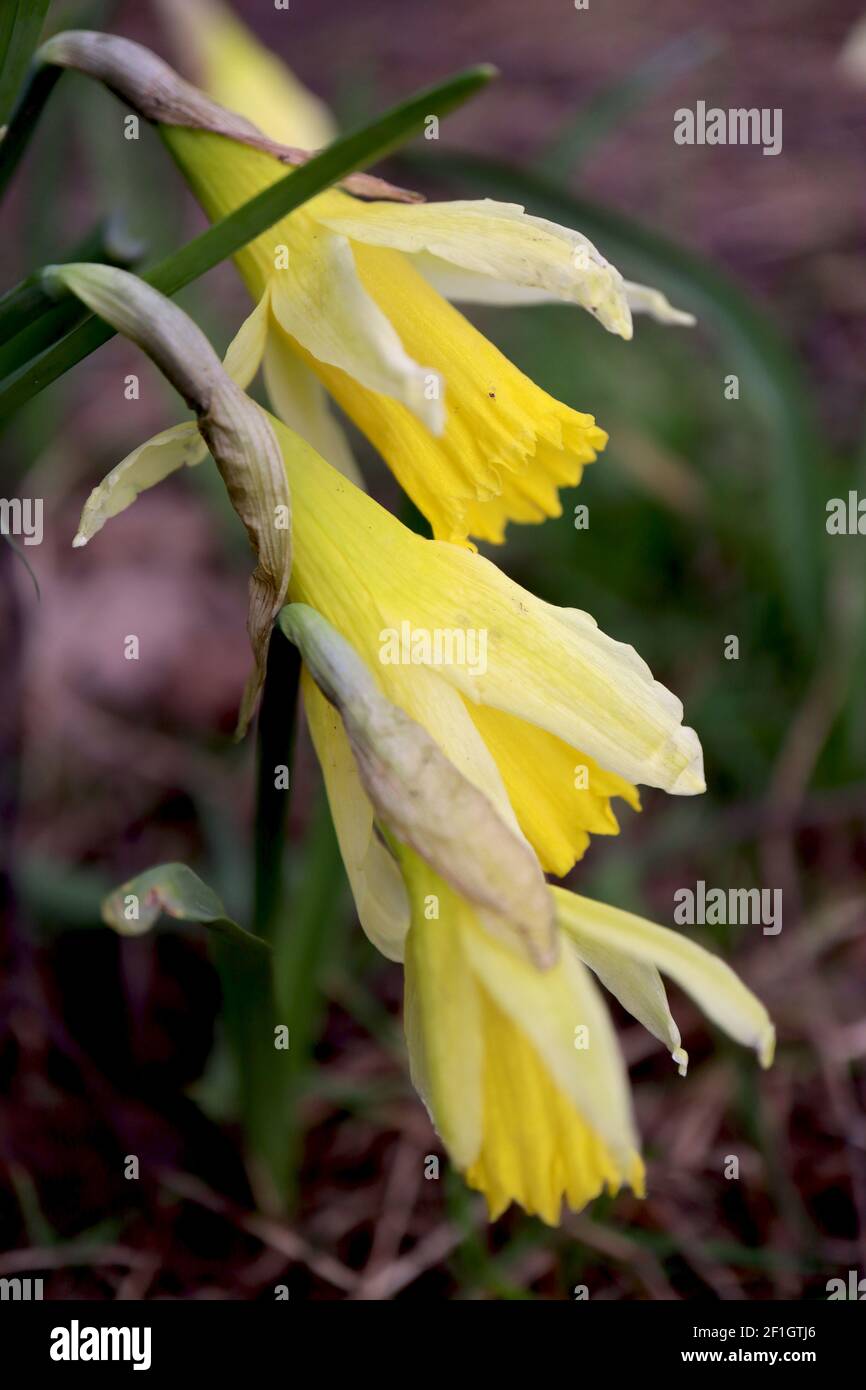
619, 99
223, 239
173, 890
20, 26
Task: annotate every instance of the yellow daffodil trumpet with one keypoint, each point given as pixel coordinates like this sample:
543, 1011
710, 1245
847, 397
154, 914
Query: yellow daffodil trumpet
514, 1055
353, 297
558, 719
472, 737
509, 1042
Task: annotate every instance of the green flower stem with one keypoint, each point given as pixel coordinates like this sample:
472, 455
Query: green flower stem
20, 26
287, 990
265, 1070
250, 1020
225, 238
276, 731
40, 85
306, 942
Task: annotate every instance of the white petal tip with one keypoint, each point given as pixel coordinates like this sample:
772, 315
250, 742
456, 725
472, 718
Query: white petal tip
671, 317
689, 781
767, 1046
79, 540
681, 1058
616, 318
643, 299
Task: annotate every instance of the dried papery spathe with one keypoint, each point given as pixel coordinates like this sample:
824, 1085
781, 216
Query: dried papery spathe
236, 431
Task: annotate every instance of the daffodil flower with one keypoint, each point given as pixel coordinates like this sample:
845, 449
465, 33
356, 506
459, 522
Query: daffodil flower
511, 1049
509, 1042
354, 300
520, 1068
557, 721
560, 719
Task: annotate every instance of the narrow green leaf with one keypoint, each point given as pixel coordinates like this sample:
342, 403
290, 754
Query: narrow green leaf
619, 99
40, 83
173, 890
275, 739
223, 239
20, 26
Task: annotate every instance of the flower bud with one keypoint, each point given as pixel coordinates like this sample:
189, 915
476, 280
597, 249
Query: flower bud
235, 429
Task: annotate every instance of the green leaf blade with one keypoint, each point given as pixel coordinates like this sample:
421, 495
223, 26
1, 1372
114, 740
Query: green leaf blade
20, 26
175, 891
345, 156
